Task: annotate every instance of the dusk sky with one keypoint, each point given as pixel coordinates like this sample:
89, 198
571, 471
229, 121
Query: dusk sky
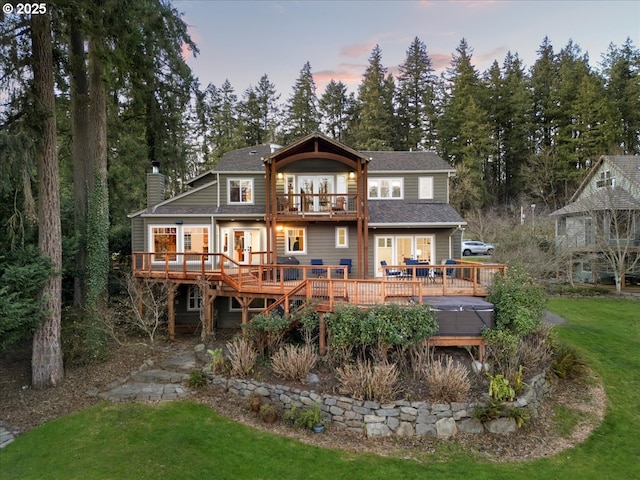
242, 40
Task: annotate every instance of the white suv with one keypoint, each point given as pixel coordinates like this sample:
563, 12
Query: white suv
473, 247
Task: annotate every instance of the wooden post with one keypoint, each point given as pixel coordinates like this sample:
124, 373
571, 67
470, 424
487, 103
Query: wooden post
171, 311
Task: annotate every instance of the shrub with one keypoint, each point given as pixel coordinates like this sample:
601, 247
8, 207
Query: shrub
294, 363
568, 362
242, 356
309, 322
536, 349
502, 351
500, 389
364, 381
519, 303
305, 417
448, 381
377, 330
494, 410
218, 363
197, 379
268, 331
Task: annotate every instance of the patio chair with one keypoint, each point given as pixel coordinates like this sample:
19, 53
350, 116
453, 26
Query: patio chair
450, 272
347, 263
318, 271
389, 272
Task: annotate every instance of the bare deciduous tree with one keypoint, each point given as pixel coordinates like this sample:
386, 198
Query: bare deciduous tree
147, 302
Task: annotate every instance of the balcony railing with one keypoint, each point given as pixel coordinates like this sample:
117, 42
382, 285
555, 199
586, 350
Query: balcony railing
323, 204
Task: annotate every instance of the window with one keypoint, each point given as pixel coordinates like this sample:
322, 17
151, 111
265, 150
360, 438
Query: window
605, 180
256, 304
240, 190
425, 188
295, 240
194, 298
169, 242
382, 188
561, 226
342, 237
164, 242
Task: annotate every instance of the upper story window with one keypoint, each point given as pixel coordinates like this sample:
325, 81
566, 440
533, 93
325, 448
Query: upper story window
381, 188
425, 188
605, 180
240, 190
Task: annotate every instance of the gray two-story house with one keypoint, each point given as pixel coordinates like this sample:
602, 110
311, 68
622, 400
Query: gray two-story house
315, 209
599, 228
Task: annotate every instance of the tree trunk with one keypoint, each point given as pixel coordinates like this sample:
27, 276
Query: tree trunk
46, 361
97, 271
82, 160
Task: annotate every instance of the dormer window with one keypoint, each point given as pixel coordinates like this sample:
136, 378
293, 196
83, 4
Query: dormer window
605, 180
240, 190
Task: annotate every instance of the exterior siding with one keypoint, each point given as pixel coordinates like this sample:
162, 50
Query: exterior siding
138, 235
206, 196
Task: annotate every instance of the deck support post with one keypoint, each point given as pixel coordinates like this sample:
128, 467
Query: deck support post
171, 312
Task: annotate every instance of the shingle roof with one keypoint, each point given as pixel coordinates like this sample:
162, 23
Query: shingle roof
249, 159
419, 213
629, 166
406, 161
603, 199
205, 210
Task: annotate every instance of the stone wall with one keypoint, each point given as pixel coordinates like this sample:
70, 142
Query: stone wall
401, 418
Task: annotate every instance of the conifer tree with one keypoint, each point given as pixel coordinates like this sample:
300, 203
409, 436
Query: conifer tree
301, 112
416, 96
336, 107
375, 123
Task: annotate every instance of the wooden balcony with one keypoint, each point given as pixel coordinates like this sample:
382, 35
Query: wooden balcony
317, 206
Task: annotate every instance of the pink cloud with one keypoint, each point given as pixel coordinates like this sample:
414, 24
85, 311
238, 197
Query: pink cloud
193, 33
356, 50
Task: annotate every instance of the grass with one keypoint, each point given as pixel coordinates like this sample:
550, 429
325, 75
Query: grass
567, 419
186, 440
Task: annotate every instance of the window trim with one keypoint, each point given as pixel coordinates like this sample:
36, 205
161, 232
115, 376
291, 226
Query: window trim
390, 180
194, 296
421, 181
346, 237
251, 309
180, 252
241, 179
305, 241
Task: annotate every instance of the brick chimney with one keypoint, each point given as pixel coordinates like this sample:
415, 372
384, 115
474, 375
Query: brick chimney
155, 185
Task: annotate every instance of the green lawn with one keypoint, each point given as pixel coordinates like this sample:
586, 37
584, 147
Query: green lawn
184, 440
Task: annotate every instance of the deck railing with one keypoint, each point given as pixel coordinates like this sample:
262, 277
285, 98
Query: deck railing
317, 205
328, 284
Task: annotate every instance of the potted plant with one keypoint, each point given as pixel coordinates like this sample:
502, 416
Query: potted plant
254, 401
268, 413
311, 418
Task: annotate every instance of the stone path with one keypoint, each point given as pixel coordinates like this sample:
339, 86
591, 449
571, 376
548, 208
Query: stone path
164, 382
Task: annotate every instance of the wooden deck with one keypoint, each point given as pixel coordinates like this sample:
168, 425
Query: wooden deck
326, 283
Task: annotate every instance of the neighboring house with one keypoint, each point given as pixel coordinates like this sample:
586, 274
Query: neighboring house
315, 199
600, 227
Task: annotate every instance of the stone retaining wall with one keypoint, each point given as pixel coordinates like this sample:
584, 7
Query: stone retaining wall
401, 418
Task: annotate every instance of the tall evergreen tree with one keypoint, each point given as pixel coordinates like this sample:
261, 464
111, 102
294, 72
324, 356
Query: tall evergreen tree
416, 97
336, 107
621, 68
301, 112
375, 123
509, 107
544, 79
465, 130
